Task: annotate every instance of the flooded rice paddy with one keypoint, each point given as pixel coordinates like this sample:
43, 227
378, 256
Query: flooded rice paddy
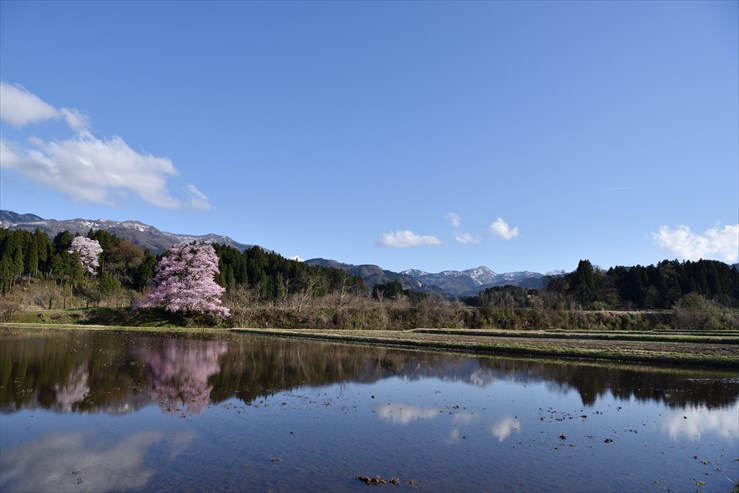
96, 411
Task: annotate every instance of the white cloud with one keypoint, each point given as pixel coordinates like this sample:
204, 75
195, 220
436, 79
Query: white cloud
75, 119
20, 108
714, 242
406, 238
502, 229
198, 200
87, 169
455, 219
466, 238
84, 167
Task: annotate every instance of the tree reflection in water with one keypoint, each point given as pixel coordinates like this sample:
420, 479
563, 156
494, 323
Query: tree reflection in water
177, 371
120, 372
314, 415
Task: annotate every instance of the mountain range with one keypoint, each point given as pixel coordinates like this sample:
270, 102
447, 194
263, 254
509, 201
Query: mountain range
136, 232
452, 283
447, 283
471, 281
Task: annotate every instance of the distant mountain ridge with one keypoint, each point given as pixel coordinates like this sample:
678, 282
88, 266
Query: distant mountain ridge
141, 234
450, 283
373, 275
471, 281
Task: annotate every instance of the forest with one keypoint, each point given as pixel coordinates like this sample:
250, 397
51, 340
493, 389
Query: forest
263, 288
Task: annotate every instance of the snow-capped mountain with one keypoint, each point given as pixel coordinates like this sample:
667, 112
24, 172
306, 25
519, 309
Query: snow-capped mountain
471, 281
137, 232
449, 283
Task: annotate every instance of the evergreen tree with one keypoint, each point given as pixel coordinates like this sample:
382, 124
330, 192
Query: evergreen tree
62, 241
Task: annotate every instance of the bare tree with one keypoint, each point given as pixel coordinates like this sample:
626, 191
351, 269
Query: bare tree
241, 302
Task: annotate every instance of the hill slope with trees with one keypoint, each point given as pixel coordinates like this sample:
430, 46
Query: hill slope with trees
261, 287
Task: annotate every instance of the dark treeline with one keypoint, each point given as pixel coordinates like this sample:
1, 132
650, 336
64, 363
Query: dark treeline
655, 287
190, 372
264, 288
34, 255
125, 266
700, 295
274, 277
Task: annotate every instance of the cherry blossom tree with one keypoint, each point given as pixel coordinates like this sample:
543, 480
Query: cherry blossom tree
184, 282
88, 251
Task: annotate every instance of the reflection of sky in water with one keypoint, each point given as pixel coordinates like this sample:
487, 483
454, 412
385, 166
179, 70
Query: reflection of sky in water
503, 428
82, 461
199, 415
697, 423
405, 413
74, 390
639, 442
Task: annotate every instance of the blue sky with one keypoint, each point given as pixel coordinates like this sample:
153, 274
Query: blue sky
428, 135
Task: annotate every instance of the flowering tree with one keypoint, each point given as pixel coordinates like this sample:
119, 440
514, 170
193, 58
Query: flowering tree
87, 250
184, 282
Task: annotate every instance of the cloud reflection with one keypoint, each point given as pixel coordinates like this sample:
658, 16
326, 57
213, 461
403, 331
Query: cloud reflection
694, 423
403, 413
464, 418
502, 429
482, 377
74, 390
77, 461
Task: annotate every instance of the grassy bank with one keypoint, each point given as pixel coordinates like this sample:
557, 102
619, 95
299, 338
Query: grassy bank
721, 350
618, 342
364, 313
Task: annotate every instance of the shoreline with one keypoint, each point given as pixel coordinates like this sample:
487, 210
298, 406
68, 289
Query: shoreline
719, 355
705, 350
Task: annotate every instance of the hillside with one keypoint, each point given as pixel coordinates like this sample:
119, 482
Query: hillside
451, 284
141, 234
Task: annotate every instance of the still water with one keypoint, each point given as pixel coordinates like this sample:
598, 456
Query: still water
112, 411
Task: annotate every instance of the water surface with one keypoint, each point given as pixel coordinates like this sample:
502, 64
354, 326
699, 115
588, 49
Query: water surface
121, 411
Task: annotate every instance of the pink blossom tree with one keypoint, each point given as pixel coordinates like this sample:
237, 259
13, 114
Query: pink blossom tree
88, 251
184, 282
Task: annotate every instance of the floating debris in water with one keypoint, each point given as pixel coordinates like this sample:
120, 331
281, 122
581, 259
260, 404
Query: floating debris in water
378, 480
